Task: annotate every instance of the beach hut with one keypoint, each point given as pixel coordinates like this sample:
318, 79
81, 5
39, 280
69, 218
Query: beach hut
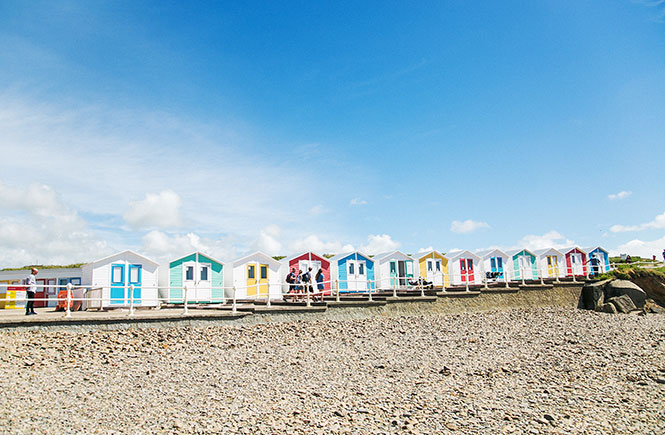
522, 264
49, 282
203, 276
550, 262
354, 271
306, 260
462, 266
599, 260
393, 269
432, 266
494, 263
114, 275
256, 276
575, 261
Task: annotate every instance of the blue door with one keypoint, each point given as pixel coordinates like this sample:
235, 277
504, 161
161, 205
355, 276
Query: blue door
499, 266
134, 276
117, 284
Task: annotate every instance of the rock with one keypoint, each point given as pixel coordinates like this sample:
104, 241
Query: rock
619, 287
607, 308
593, 295
623, 303
660, 380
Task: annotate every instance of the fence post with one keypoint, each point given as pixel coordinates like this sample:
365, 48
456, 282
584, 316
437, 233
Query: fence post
522, 274
337, 290
131, 300
186, 300
68, 310
572, 271
486, 280
370, 290
422, 289
542, 281
234, 307
556, 271
268, 295
309, 302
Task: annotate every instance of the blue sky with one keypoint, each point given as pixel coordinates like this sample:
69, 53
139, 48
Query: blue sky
166, 127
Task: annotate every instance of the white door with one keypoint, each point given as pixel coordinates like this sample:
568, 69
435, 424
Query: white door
576, 261
204, 283
434, 271
356, 275
189, 280
304, 265
525, 266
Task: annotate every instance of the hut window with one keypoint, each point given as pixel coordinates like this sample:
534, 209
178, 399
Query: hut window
134, 274
499, 262
204, 273
438, 266
264, 272
429, 266
250, 272
393, 268
361, 268
116, 274
189, 273
351, 269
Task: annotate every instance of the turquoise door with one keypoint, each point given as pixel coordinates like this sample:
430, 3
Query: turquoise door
117, 284
135, 279
497, 266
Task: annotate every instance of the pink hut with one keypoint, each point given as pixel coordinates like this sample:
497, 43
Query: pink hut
306, 260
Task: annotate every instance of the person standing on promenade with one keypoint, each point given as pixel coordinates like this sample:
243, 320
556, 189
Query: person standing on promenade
31, 283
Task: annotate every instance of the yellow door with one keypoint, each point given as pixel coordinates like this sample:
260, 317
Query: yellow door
251, 280
263, 279
552, 266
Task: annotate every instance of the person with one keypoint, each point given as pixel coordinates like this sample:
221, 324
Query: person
298, 283
319, 283
291, 279
31, 284
663, 255
306, 279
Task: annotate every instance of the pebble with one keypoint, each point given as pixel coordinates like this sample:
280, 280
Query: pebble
539, 370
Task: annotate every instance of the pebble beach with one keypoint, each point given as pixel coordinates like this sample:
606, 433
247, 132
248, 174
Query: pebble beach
536, 370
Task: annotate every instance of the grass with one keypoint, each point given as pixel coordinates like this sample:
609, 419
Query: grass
629, 271
42, 266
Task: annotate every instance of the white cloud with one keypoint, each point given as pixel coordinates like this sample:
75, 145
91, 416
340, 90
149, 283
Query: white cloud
642, 248
377, 243
467, 226
621, 195
358, 201
425, 249
317, 210
657, 223
163, 247
551, 239
314, 243
38, 227
160, 210
268, 240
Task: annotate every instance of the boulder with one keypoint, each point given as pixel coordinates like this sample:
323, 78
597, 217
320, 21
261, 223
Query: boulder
607, 308
592, 294
619, 287
623, 303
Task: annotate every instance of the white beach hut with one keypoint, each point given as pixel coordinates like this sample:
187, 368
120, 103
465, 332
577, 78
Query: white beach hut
257, 275
393, 269
465, 267
112, 277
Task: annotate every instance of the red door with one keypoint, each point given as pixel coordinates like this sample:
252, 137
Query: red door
469, 269
41, 293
